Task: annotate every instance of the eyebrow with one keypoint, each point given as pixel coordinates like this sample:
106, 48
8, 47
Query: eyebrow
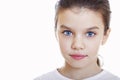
64, 27
94, 27
91, 28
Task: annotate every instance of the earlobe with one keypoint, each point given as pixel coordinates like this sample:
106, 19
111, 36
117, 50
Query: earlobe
105, 37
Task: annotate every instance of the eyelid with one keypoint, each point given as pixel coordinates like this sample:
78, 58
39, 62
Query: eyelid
66, 31
91, 31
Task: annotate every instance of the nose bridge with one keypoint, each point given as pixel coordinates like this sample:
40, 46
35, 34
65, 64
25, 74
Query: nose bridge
78, 42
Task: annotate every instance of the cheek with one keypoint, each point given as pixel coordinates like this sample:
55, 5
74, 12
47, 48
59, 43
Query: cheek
93, 47
64, 45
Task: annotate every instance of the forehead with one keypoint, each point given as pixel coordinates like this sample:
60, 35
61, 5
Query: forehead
80, 17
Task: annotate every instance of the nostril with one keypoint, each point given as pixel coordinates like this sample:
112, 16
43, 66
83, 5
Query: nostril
78, 44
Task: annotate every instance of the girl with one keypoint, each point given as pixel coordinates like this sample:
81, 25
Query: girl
81, 26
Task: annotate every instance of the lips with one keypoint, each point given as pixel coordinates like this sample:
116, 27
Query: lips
78, 56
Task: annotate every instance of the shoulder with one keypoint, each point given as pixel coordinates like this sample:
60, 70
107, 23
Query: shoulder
104, 75
110, 76
53, 75
47, 76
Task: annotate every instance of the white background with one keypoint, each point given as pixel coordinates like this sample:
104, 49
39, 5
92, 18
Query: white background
28, 47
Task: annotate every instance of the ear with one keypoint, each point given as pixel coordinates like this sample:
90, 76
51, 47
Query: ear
105, 37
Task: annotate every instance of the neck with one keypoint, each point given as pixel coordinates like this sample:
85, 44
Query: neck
80, 73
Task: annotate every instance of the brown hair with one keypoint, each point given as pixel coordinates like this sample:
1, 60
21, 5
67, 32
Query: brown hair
101, 6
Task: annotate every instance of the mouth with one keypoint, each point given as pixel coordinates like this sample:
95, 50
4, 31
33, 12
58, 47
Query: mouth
78, 56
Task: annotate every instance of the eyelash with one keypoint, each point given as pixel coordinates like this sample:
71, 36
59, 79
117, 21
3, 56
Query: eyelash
89, 34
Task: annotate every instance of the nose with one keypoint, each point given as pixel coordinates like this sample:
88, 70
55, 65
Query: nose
78, 44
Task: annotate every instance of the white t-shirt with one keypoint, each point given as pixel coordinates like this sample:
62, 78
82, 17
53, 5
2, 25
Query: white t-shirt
55, 75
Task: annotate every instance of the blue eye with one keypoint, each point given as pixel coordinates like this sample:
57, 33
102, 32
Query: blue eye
67, 33
90, 34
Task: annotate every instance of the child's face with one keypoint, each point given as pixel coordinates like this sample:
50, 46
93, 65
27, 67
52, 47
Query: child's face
80, 33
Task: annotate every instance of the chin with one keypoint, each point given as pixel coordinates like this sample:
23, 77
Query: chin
78, 65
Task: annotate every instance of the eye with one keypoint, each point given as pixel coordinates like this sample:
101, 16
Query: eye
90, 34
67, 33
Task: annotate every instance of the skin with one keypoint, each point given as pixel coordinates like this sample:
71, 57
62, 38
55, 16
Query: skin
80, 31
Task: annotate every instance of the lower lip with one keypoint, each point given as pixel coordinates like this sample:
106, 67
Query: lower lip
78, 57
